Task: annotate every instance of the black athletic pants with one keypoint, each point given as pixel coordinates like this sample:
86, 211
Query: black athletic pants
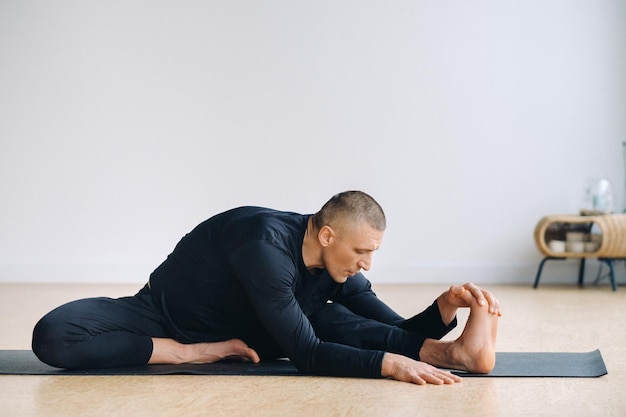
106, 333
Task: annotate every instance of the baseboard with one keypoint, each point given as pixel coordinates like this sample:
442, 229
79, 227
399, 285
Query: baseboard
554, 272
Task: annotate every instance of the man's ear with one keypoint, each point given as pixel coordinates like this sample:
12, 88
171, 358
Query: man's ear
326, 236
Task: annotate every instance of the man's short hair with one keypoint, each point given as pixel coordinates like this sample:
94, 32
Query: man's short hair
349, 208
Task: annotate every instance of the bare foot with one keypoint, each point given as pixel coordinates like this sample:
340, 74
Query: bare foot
474, 351
217, 351
173, 352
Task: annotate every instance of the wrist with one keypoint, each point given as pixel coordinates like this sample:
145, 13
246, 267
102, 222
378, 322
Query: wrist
386, 368
447, 311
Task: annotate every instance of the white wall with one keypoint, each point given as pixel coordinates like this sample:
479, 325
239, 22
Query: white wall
125, 123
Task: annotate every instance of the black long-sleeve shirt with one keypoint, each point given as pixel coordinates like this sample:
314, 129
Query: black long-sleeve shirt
244, 268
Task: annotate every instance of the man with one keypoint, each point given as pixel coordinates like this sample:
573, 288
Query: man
253, 283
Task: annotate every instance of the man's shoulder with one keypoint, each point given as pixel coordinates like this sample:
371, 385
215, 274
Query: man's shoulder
261, 230
260, 215
256, 223
271, 221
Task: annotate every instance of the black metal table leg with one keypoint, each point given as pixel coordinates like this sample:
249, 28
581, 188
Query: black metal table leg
609, 262
547, 258
581, 272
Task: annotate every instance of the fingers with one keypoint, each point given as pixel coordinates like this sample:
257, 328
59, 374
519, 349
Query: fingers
494, 304
476, 292
442, 377
465, 293
484, 297
436, 377
402, 368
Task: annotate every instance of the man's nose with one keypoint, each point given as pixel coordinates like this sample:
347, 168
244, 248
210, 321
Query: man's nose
365, 263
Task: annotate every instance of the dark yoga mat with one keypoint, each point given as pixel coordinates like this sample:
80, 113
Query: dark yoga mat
508, 364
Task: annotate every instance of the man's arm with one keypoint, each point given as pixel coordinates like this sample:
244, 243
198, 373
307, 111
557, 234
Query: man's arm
267, 275
357, 295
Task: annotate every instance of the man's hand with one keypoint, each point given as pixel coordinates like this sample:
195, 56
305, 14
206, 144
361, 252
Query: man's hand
406, 369
463, 296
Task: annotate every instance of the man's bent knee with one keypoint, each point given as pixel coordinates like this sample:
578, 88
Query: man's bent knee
48, 343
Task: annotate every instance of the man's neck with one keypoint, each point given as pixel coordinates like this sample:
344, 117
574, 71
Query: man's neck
311, 248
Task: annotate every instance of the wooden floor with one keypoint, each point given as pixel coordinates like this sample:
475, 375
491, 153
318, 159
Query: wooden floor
563, 318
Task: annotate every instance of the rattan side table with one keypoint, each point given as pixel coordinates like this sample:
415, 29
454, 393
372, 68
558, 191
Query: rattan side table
612, 246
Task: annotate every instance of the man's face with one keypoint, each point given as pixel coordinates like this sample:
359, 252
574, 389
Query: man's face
350, 249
